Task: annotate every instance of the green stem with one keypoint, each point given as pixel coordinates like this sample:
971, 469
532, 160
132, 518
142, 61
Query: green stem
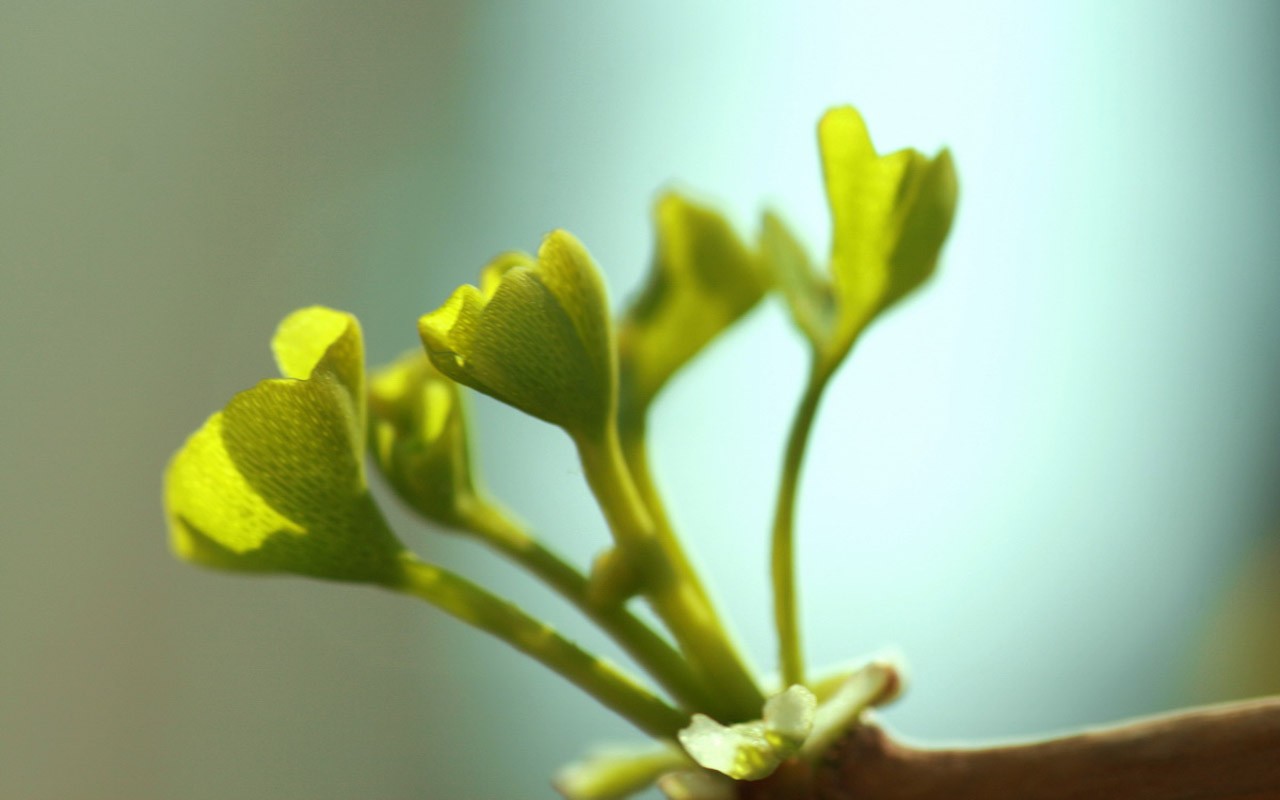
636, 453
783, 568
606, 683
669, 582
650, 651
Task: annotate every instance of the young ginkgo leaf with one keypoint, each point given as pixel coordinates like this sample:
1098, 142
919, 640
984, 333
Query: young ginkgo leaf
873, 684
890, 216
535, 335
809, 296
275, 482
697, 785
418, 433
752, 750
617, 773
702, 280
788, 717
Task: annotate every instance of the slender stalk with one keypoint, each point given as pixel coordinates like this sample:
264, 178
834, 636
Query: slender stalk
783, 570
669, 582
606, 683
653, 653
636, 454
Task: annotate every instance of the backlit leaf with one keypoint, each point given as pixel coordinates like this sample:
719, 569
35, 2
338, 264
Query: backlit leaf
890, 216
752, 750
274, 482
535, 335
419, 438
703, 279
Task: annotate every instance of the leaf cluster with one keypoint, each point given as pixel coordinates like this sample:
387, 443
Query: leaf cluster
275, 482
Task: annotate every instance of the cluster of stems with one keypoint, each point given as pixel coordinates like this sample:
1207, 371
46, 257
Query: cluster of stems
699, 667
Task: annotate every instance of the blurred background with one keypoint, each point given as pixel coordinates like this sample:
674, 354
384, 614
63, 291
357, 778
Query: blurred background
1049, 479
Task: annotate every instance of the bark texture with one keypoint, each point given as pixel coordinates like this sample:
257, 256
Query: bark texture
1226, 751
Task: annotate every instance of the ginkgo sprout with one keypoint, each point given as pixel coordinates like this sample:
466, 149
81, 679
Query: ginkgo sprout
276, 482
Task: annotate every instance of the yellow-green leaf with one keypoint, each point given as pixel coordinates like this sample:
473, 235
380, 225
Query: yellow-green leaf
702, 280
419, 437
809, 296
618, 773
311, 336
931, 199
697, 784
890, 216
274, 482
752, 750
872, 684
535, 335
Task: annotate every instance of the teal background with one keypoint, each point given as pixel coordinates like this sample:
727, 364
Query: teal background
1038, 479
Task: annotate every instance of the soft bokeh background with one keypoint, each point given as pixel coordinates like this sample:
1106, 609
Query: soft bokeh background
1042, 479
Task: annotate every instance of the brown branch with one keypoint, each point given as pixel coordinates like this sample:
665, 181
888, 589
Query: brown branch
1226, 751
